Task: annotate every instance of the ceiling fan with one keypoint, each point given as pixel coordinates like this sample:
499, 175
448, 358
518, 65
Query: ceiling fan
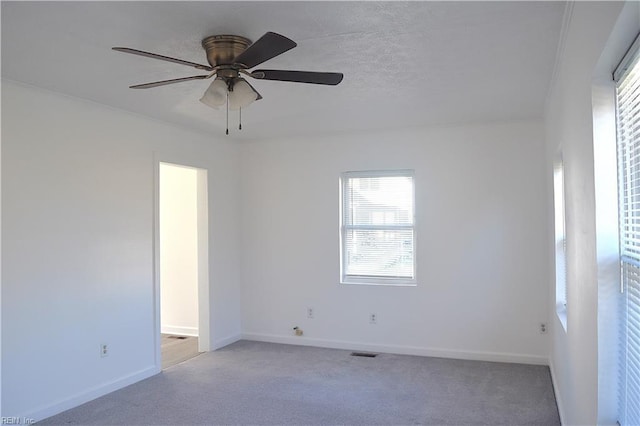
229, 57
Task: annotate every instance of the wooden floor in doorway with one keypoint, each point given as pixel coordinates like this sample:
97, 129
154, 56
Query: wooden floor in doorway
177, 349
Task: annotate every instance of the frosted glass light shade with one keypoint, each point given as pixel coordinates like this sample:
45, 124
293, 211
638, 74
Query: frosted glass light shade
242, 95
216, 94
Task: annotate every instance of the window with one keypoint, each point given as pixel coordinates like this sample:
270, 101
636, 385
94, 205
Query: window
560, 241
377, 228
627, 78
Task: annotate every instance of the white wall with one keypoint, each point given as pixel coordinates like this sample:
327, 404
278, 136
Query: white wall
179, 249
570, 127
482, 268
1, 412
78, 245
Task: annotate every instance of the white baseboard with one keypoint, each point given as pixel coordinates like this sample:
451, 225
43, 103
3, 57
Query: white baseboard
555, 391
179, 331
90, 394
401, 350
221, 343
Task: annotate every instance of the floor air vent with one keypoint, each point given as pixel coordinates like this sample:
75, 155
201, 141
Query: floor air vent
364, 354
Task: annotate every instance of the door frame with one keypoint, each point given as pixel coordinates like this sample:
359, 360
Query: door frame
204, 300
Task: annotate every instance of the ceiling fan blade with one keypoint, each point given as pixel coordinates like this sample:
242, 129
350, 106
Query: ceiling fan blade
162, 58
329, 78
266, 47
165, 82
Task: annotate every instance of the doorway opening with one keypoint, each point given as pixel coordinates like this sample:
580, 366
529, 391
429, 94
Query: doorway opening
183, 263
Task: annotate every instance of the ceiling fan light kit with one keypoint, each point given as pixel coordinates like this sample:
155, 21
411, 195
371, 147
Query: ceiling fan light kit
229, 56
237, 92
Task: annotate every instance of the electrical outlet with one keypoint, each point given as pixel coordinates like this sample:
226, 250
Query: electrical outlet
543, 328
373, 318
104, 350
310, 313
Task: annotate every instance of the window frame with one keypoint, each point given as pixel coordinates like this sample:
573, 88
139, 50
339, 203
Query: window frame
560, 232
343, 228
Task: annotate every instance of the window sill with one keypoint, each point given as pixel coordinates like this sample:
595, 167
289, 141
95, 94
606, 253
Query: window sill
385, 284
561, 311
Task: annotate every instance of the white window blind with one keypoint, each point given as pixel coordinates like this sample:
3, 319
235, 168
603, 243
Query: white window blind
628, 137
377, 228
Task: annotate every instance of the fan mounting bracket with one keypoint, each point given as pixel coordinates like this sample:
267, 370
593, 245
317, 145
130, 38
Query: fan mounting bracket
223, 49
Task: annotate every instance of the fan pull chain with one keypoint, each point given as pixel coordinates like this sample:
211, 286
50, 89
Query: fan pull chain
240, 121
227, 113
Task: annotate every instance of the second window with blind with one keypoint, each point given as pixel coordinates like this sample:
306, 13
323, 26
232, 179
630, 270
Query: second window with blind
627, 78
560, 240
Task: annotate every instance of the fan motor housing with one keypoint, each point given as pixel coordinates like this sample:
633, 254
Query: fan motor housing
223, 49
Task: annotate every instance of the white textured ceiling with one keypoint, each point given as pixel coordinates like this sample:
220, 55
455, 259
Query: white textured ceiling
405, 63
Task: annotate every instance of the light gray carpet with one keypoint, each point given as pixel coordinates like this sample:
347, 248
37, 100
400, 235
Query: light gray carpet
177, 349
264, 383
